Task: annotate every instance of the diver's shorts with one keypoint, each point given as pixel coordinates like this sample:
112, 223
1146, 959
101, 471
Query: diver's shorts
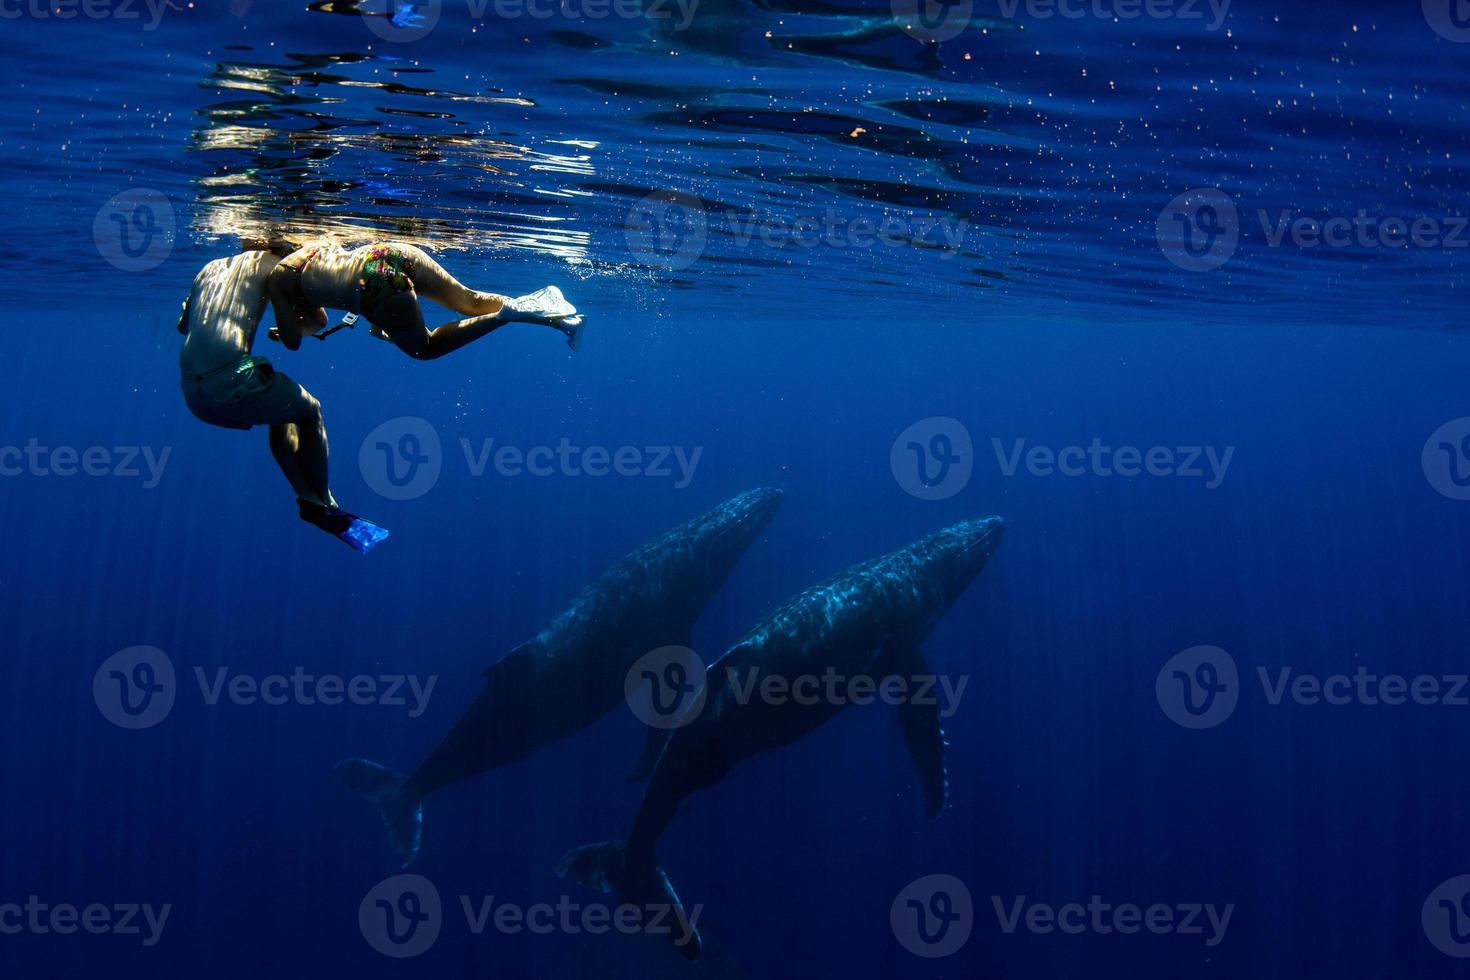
246, 393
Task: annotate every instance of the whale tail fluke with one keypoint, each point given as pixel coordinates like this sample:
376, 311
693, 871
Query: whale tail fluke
643, 884
400, 807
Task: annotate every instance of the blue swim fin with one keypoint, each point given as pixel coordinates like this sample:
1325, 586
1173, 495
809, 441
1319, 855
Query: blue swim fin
359, 535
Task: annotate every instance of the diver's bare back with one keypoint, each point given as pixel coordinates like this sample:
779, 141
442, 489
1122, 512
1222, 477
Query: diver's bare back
224, 311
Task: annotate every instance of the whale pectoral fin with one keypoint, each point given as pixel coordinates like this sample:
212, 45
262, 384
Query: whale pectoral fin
922, 732
653, 750
925, 738
499, 666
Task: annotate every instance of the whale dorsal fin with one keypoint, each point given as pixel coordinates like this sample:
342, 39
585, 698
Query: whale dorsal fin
920, 724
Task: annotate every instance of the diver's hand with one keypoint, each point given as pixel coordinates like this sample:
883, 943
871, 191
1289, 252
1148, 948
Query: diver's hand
275, 334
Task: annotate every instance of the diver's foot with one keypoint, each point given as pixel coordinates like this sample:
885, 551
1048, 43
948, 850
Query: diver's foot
328, 502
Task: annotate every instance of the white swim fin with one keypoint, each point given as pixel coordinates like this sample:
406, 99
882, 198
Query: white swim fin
546, 305
578, 324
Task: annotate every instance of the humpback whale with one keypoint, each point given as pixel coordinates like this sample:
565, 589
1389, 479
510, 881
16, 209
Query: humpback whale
573, 672
870, 621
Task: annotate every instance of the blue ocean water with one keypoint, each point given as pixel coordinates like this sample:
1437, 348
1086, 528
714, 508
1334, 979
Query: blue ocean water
819, 253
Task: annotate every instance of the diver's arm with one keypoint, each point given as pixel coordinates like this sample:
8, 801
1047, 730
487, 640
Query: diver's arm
293, 322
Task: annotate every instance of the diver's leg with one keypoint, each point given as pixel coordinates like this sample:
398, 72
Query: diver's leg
432, 282
299, 439
402, 320
546, 306
285, 443
311, 452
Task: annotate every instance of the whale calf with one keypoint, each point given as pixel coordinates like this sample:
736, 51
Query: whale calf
870, 621
572, 673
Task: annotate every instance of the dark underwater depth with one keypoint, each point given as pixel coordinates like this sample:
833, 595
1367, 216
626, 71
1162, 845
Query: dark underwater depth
1007, 517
